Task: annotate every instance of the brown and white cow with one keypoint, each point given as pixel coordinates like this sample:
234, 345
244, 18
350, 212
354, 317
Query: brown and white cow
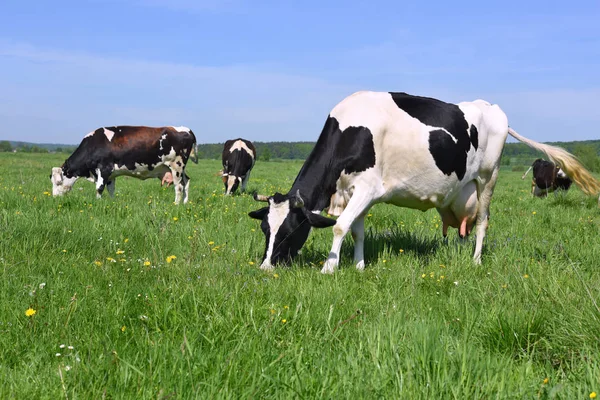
138, 151
410, 151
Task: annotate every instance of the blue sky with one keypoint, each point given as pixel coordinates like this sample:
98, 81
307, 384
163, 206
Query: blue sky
272, 70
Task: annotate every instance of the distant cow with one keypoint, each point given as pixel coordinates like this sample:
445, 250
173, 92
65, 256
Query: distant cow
410, 151
138, 151
547, 177
238, 158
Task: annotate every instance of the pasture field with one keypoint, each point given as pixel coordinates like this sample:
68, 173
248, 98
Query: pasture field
135, 297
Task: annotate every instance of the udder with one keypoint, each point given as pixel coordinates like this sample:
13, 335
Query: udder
462, 213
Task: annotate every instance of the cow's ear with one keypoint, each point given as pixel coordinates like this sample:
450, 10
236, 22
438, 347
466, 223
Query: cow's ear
259, 214
296, 201
318, 221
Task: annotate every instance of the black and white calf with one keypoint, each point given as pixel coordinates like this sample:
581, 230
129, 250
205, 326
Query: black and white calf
238, 158
547, 177
410, 151
138, 151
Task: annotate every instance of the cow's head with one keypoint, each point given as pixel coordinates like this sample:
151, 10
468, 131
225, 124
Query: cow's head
61, 182
231, 182
286, 224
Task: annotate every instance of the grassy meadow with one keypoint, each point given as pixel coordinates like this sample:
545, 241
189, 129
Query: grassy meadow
135, 297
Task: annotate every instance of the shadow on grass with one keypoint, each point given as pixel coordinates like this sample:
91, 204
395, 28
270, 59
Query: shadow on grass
377, 243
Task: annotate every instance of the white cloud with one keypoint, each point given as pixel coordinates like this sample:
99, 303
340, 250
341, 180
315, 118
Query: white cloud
87, 91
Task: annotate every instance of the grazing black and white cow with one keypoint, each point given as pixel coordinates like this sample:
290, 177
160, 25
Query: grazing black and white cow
238, 158
410, 151
547, 177
138, 151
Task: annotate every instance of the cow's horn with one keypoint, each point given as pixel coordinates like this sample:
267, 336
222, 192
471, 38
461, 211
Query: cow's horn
259, 197
298, 202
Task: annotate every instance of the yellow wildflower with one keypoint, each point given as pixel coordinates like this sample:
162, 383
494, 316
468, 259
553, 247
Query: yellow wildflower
171, 258
175, 218
211, 243
272, 311
123, 328
126, 240
110, 259
593, 395
283, 321
30, 312
119, 251
423, 276
251, 262
146, 263
534, 213
286, 307
525, 276
98, 263
546, 380
275, 276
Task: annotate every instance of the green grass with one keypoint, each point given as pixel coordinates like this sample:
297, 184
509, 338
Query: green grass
420, 322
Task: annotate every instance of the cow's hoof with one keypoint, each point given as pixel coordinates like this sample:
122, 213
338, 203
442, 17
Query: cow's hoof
267, 267
329, 267
360, 266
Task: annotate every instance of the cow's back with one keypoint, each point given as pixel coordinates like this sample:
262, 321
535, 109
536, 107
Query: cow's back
425, 149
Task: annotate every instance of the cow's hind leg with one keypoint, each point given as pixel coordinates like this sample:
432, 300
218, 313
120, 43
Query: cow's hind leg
356, 207
485, 189
358, 234
186, 187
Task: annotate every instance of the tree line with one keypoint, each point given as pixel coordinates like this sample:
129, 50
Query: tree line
515, 155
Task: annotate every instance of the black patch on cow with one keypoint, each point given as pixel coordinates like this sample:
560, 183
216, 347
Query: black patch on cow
449, 155
177, 174
178, 163
474, 136
336, 151
447, 161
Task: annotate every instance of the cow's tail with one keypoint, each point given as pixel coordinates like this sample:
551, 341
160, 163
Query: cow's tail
526, 172
572, 167
194, 153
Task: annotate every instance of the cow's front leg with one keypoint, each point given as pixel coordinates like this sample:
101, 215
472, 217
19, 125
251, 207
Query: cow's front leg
186, 187
100, 183
110, 185
356, 207
178, 183
358, 234
245, 182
